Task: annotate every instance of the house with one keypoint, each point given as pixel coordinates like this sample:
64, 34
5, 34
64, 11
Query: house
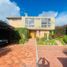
37, 26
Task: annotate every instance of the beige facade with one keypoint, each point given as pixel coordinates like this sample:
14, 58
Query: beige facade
40, 25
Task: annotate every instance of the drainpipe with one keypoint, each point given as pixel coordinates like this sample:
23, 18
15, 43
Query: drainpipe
26, 14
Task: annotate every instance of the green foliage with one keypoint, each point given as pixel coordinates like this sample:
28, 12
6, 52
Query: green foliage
52, 32
51, 42
40, 41
43, 41
59, 30
61, 40
23, 32
65, 39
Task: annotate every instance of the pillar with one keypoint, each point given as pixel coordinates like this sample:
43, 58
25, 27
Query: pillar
37, 34
47, 36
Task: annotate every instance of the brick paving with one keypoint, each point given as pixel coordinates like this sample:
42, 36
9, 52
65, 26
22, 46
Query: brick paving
18, 56
25, 55
52, 56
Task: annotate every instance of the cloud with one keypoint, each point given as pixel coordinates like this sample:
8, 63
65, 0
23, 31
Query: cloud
49, 14
61, 18
8, 8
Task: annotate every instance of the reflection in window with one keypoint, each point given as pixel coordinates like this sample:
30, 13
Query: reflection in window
29, 22
45, 22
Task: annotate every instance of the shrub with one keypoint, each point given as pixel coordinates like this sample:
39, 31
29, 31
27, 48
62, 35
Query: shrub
43, 41
56, 36
65, 38
23, 32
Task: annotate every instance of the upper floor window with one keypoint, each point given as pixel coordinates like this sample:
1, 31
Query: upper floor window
45, 22
29, 22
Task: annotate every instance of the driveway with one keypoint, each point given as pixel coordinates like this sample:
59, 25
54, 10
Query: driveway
18, 55
26, 55
52, 56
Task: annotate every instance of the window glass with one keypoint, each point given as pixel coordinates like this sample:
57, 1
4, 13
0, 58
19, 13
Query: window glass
29, 22
45, 22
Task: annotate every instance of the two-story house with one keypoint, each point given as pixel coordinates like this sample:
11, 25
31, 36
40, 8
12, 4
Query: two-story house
37, 26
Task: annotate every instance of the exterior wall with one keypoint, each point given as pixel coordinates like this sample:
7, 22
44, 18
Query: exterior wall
41, 34
23, 21
37, 23
53, 23
16, 23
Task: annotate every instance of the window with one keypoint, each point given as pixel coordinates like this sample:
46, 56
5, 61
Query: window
49, 24
45, 22
29, 22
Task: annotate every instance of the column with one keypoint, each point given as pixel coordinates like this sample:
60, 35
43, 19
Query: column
47, 36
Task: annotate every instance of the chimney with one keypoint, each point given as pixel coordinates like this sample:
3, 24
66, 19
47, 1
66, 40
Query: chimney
26, 14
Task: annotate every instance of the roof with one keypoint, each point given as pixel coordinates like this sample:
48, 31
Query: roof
14, 17
4, 25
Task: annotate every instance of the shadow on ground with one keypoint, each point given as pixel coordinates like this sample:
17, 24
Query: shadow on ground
4, 51
65, 51
8, 36
63, 61
43, 62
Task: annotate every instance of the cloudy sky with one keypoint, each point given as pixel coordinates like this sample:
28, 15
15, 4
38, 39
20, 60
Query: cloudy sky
51, 8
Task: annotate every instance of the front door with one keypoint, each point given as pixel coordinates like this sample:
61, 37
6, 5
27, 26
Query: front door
33, 34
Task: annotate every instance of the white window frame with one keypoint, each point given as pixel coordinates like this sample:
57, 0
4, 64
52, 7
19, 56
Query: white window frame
45, 22
29, 22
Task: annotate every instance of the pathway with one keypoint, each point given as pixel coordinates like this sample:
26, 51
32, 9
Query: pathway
18, 55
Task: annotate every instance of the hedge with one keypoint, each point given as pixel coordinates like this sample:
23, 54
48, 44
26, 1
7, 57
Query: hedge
65, 39
23, 33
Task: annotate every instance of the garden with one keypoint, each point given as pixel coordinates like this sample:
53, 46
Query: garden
43, 41
61, 37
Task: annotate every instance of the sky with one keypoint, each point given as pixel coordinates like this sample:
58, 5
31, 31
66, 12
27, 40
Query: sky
51, 8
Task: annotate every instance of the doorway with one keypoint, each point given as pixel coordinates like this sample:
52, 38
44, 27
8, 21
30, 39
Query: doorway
32, 33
